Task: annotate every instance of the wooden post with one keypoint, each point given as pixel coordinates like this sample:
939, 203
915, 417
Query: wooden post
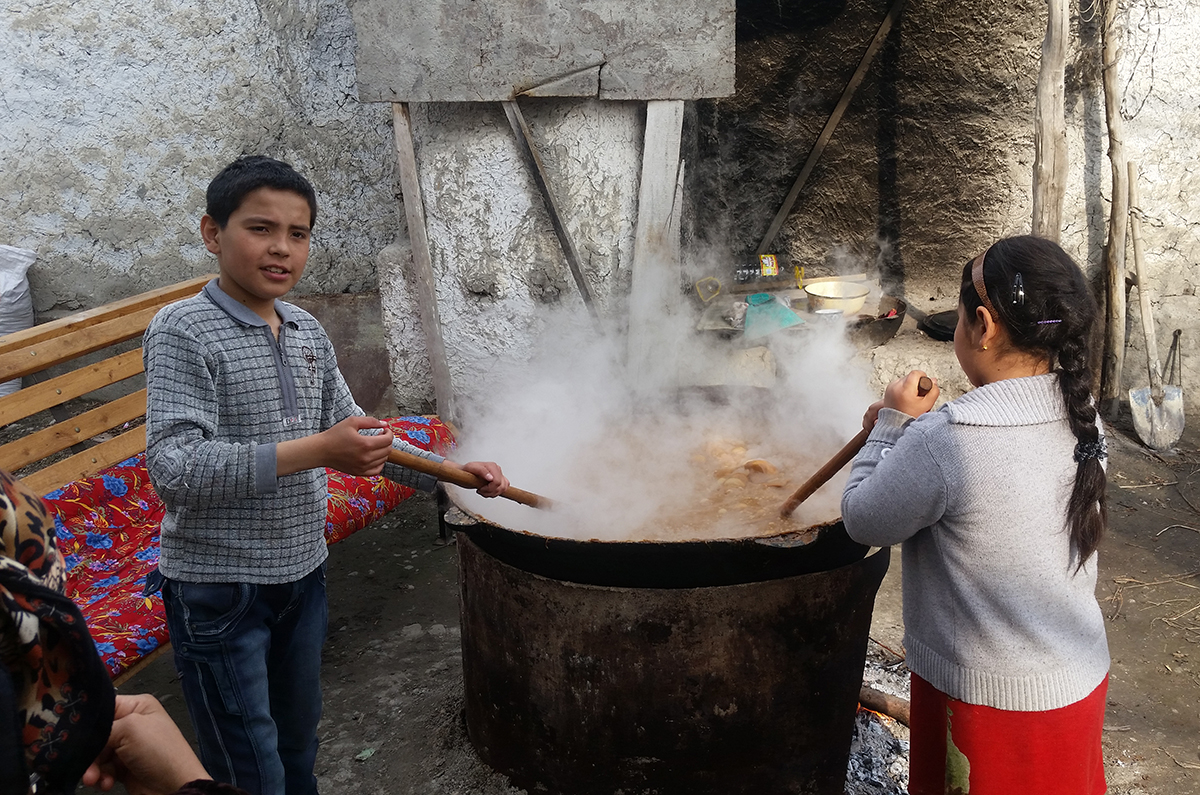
656, 256
520, 129
1050, 128
414, 213
1114, 250
831, 124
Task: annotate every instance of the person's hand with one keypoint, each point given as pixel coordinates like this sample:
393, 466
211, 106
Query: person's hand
146, 751
497, 484
871, 415
349, 451
904, 394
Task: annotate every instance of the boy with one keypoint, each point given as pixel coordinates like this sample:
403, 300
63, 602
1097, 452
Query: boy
246, 405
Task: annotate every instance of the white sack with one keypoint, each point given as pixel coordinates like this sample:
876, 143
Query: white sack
16, 303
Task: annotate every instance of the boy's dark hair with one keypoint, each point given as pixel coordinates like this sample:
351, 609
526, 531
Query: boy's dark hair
247, 174
1046, 305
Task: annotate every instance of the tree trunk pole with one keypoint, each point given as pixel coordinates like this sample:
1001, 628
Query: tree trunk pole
1050, 129
1114, 250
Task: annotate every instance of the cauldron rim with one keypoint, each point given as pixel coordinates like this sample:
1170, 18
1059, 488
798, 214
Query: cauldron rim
792, 538
669, 564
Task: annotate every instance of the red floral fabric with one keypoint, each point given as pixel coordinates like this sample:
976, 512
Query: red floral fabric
107, 531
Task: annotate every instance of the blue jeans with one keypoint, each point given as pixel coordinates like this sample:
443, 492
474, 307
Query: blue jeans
249, 660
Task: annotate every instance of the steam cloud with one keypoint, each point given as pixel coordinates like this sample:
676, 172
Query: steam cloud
612, 446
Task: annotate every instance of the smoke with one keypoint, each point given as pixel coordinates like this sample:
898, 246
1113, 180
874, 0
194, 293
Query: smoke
621, 433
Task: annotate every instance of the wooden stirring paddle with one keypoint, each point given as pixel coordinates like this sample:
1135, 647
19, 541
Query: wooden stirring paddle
460, 477
839, 460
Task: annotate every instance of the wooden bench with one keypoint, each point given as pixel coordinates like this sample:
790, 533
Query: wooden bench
89, 463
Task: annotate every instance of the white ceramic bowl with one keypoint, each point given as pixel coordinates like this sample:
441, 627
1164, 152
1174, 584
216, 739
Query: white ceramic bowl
846, 296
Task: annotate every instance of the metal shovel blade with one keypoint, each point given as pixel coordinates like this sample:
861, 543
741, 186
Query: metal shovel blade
1158, 425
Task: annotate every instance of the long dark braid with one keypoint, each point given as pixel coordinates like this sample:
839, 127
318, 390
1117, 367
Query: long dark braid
1048, 309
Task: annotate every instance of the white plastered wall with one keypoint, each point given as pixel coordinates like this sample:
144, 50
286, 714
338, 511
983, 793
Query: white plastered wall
116, 115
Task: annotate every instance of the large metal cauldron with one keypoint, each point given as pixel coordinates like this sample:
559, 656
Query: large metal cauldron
724, 667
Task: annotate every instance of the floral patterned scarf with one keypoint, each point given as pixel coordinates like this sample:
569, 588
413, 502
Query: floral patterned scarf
53, 678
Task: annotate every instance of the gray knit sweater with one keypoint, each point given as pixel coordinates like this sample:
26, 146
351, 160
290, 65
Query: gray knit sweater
221, 393
994, 610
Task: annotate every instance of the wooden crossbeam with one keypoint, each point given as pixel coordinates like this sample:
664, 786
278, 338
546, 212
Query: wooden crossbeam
61, 435
87, 463
91, 317
56, 391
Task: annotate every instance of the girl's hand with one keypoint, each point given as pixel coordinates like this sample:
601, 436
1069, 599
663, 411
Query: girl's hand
872, 415
904, 394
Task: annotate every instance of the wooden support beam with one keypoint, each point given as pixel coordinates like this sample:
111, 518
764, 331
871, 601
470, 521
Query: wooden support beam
61, 435
44, 332
414, 213
52, 393
830, 125
40, 356
1114, 250
89, 462
520, 129
1050, 127
656, 254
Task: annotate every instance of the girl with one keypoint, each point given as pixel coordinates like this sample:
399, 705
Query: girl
998, 499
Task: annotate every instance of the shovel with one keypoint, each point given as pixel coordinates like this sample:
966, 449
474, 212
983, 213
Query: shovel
1158, 409
462, 478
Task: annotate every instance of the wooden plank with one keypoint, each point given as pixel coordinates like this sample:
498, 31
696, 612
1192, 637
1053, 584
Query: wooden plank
1143, 284
91, 317
48, 394
656, 260
1114, 249
89, 462
830, 125
1050, 127
414, 213
58, 437
42, 355
525, 142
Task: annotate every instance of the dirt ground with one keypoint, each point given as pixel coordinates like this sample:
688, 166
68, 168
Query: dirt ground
393, 682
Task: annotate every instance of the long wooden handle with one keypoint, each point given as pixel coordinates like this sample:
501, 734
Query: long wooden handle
1135, 232
839, 460
460, 477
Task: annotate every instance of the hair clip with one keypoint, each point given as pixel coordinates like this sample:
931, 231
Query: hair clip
1018, 291
1086, 451
1046, 322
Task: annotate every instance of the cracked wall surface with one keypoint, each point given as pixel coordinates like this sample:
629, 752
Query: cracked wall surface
499, 268
933, 159
117, 114
464, 51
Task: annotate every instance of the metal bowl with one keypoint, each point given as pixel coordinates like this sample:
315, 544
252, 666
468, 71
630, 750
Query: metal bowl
846, 296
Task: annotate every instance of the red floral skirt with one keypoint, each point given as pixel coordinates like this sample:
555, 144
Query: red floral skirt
967, 749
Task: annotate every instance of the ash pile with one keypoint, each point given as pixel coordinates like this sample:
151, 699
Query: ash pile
879, 752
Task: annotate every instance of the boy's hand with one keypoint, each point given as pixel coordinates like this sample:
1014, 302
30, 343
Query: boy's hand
146, 751
903, 394
496, 482
351, 452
